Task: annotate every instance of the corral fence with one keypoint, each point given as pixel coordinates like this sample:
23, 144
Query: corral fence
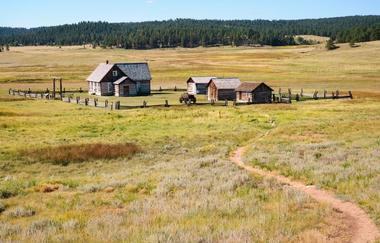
71, 97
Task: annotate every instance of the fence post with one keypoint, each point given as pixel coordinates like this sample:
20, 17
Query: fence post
144, 104
297, 97
77, 99
301, 92
225, 102
337, 94
111, 106
53, 88
80, 90
290, 96
175, 88
86, 101
106, 104
350, 94
60, 89
325, 94
160, 89
117, 107
315, 95
95, 102
166, 103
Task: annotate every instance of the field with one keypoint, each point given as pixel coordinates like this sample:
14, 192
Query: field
165, 174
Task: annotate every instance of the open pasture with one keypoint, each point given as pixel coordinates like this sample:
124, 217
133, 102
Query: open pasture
308, 67
179, 185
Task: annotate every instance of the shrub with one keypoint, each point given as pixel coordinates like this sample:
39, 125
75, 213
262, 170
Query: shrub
65, 154
21, 212
10, 189
2, 207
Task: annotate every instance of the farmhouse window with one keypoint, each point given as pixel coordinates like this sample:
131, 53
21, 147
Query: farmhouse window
114, 73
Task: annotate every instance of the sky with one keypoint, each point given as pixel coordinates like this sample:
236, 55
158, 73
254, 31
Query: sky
34, 13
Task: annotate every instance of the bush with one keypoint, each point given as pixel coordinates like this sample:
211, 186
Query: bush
10, 189
2, 207
21, 212
65, 154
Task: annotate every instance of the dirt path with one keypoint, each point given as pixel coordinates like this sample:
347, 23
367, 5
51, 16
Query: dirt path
363, 230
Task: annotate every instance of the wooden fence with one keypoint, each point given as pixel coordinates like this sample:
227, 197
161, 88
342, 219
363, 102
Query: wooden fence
116, 105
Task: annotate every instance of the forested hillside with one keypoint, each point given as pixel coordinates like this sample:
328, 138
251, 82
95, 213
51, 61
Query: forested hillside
194, 33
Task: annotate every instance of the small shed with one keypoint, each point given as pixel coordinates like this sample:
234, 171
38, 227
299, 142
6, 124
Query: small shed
254, 92
222, 88
198, 85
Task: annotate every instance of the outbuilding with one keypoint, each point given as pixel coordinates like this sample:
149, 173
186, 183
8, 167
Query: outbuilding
198, 85
254, 92
220, 89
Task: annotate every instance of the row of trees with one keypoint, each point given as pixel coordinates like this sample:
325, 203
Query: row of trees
194, 33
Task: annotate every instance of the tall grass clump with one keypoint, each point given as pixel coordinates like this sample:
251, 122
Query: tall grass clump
63, 155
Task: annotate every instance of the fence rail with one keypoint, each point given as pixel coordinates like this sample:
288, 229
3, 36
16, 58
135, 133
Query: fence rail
116, 105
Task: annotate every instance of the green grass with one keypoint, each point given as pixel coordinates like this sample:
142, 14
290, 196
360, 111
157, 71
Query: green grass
182, 186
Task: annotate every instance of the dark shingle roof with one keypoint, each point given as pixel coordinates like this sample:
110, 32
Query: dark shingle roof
135, 71
226, 83
250, 87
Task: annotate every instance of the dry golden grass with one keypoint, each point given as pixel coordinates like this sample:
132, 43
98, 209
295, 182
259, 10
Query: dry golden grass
308, 67
65, 154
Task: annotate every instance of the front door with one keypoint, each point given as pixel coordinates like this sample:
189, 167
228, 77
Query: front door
126, 90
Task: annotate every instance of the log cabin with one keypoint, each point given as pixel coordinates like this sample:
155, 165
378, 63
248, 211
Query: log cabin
220, 89
120, 79
198, 85
259, 93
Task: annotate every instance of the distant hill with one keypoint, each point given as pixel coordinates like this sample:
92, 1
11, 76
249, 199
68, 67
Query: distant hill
194, 33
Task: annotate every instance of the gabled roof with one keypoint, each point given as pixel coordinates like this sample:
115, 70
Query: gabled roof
121, 80
98, 74
135, 71
201, 80
226, 83
250, 87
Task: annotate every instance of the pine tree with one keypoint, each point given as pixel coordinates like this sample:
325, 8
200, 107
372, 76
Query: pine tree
330, 45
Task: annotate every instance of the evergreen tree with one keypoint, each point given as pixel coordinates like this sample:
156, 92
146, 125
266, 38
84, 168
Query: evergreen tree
330, 45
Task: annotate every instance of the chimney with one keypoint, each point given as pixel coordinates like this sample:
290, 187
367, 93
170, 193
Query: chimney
107, 62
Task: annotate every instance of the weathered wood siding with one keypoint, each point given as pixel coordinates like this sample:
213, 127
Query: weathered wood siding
226, 94
191, 88
120, 89
143, 87
201, 89
262, 94
212, 92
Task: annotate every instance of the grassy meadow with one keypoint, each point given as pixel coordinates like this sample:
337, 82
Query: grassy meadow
174, 182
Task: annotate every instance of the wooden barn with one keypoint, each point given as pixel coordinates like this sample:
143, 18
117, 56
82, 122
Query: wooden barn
120, 79
222, 89
198, 85
254, 92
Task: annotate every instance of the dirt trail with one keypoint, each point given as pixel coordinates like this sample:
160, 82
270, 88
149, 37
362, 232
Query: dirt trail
363, 230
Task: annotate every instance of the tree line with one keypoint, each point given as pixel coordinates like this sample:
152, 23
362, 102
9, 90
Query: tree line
194, 33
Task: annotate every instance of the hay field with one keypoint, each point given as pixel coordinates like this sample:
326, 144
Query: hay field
308, 67
177, 184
